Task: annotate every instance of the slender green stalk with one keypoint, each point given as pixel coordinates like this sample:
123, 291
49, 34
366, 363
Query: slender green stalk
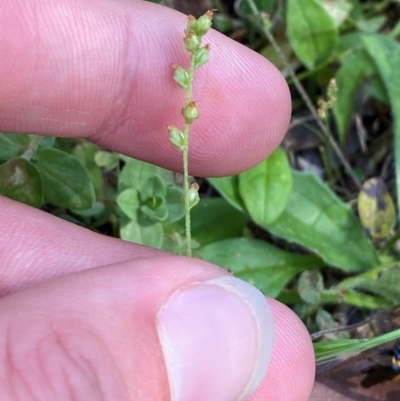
195, 30
386, 248
186, 134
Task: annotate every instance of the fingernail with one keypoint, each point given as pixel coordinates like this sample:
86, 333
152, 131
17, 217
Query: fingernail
217, 340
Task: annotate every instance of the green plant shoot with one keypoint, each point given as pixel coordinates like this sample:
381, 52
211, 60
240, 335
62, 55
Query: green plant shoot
199, 55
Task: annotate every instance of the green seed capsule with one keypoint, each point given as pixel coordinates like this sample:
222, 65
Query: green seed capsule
176, 137
192, 41
181, 76
190, 112
201, 56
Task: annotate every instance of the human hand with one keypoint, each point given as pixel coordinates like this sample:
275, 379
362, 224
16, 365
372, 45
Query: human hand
85, 317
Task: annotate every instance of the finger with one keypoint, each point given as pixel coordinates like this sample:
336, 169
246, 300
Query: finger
102, 70
292, 359
155, 329
36, 246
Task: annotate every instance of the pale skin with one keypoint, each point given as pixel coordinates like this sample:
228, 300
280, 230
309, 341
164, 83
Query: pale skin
77, 309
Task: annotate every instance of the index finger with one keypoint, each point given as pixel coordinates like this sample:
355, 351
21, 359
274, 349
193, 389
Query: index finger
102, 71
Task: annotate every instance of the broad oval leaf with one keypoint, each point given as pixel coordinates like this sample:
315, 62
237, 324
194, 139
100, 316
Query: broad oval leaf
152, 235
160, 213
128, 201
12, 145
376, 208
312, 32
206, 220
135, 173
66, 181
153, 186
265, 188
317, 219
260, 263
20, 180
174, 203
85, 152
310, 286
356, 66
228, 187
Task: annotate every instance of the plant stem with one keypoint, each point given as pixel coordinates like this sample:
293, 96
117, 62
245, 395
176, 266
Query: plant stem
386, 248
33, 146
306, 98
186, 133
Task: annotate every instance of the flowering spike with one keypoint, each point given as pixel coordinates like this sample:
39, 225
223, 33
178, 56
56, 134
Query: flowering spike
199, 55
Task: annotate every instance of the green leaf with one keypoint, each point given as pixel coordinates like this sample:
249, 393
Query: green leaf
20, 180
317, 219
47, 142
386, 285
146, 235
311, 31
66, 181
261, 264
338, 9
153, 187
228, 187
372, 24
12, 145
310, 286
128, 201
97, 209
265, 188
385, 53
206, 220
325, 321
355, 67
108, 160
135, 173
376, 208
85, 152
325, 351
174, 203
159, 213
262, 5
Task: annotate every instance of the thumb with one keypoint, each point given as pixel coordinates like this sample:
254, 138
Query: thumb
155, 329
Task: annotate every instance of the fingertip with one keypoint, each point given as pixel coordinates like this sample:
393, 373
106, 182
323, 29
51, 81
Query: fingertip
292, 360
217, 339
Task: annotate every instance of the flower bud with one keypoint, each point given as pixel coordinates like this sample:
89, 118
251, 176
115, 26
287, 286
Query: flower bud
190, 112
266, 20
201, 56
191, 22
181, 76
193, 195
332, 93
202, 24
192, 41
176, 137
